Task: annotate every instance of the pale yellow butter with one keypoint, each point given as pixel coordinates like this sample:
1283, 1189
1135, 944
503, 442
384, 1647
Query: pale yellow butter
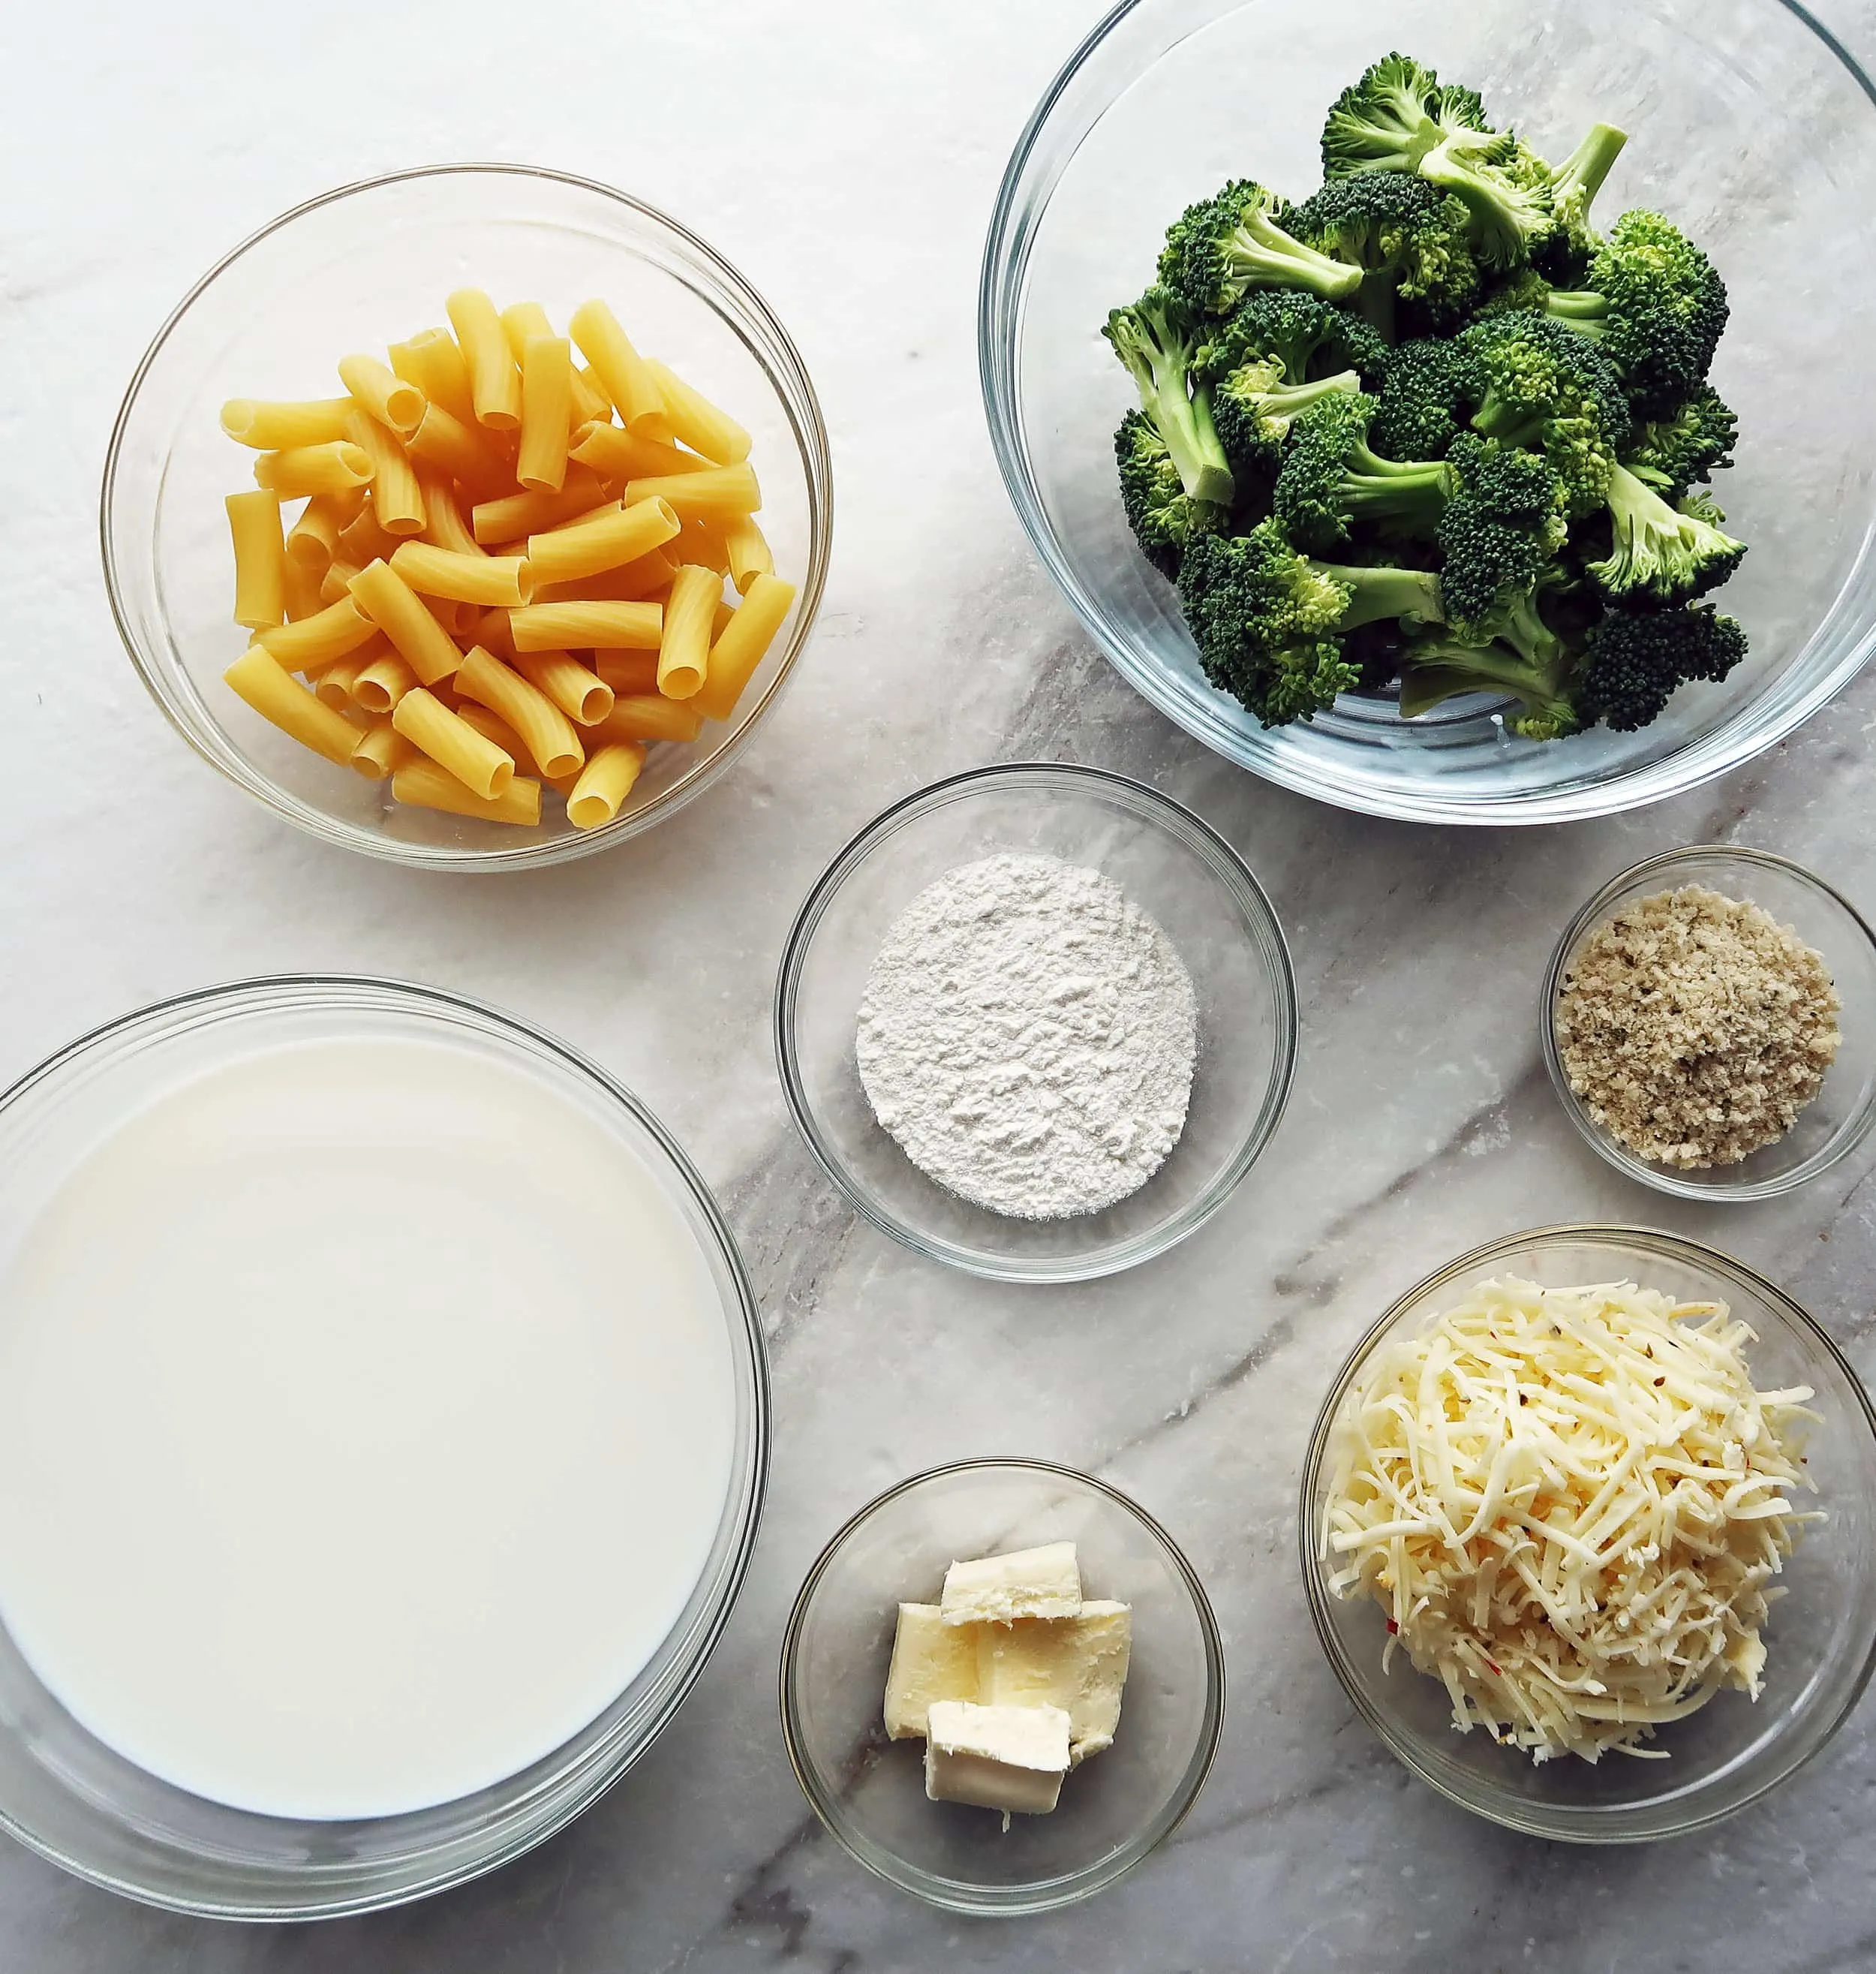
1007, 1758
1044, 1582
1078, 1664
931, 1660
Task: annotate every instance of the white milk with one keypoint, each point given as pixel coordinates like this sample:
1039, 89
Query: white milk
366, 1418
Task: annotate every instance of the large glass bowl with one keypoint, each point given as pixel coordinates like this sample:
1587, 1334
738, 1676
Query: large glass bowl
80, 1803
364, 266
1748, 125
1821, 1640
869, 1792
1841, 1115
1182, 873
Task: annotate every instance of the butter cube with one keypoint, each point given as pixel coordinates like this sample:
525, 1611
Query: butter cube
1044, 1582
1078, 1663
1006, 1758
931, 1660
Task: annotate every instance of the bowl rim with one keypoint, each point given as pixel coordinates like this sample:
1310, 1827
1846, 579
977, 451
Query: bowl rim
1264, 931
810, 431
596, 1772
1559, 1823
1663, 1178
1002, 293
1048, 1895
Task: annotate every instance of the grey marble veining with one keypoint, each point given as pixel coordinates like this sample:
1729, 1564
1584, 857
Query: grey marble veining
846, 155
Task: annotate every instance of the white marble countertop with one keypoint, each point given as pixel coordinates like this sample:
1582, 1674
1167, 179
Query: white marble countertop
852, 153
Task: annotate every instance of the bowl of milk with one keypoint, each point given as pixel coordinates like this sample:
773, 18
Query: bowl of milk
384, 1422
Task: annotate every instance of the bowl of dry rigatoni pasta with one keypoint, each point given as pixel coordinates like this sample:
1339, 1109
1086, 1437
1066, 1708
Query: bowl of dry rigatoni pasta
469, 517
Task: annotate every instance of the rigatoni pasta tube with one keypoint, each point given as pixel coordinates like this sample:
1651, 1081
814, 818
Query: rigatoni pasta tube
382, 683
590, 404
313, 539
431, 361
628, 383
381, 750
702, 425
453, 743
328, 468
443, 525
334, 680
396, 500
519, 321
341, 628
260, 558
630, 674
494, 383
700, 542
719, 494
647, 716
258, 677
493, 727
684, 650
615, 454
620, 535
494, 581
381, 393
424, 785
398, 611
518, 516
604, 783
631, 583
337, 580
279, 428
612, 627
303, 586
442, 440
546, 411
545, 731
742, 644
362, 539
580, 693
748, 551
491, 633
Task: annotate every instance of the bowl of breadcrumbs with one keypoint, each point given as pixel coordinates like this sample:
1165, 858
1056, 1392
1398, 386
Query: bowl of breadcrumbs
1710, 1024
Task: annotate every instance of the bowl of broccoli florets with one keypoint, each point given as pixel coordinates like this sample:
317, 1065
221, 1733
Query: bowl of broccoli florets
1426, 476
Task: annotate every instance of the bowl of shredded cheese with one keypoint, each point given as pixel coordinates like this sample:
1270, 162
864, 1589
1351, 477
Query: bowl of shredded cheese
1709, 1023
1587, 1532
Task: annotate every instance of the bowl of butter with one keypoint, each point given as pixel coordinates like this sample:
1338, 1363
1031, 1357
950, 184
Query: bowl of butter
1002, 1686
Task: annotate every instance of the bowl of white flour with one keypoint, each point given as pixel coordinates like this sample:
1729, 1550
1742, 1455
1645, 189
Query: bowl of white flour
1037, 1021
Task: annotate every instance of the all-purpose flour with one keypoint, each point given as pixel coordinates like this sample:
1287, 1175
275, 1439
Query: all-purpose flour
1027, 1035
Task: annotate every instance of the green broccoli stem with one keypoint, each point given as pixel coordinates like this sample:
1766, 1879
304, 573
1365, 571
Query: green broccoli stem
1212, 474
1580, 308
1263, 255
1582, 173
1438, 669
1512, 424
1290, 400
1415, 491
1377, 594
1185, 423
1375, 299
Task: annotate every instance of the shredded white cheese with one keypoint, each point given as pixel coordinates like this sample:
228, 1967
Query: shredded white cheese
1569, 1502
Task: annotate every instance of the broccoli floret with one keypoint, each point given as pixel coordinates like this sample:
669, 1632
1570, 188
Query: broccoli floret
1163, 517
1269, 621
1158, 344
1692, 442
1562, 251
1410, 241
1225, 245
1429, 392
1524, 658
1256, 409
1548, 387
1330, 478
1306, 335
1399, 118
1636, 658
1500, 531
1655, 303
1661, 554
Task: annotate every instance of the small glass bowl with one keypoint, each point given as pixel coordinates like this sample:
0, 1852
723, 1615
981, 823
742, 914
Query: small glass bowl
78, 1802
355, 269
869, 1792
1839, 1118
1177, 870
1153, 110
1820, 1642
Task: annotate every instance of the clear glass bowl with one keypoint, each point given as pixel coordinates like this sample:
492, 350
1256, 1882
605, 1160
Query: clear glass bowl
1171, 864
869, 1792
1838, 1118
77, 1802
1764, 159
357, 268
1821, 1643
